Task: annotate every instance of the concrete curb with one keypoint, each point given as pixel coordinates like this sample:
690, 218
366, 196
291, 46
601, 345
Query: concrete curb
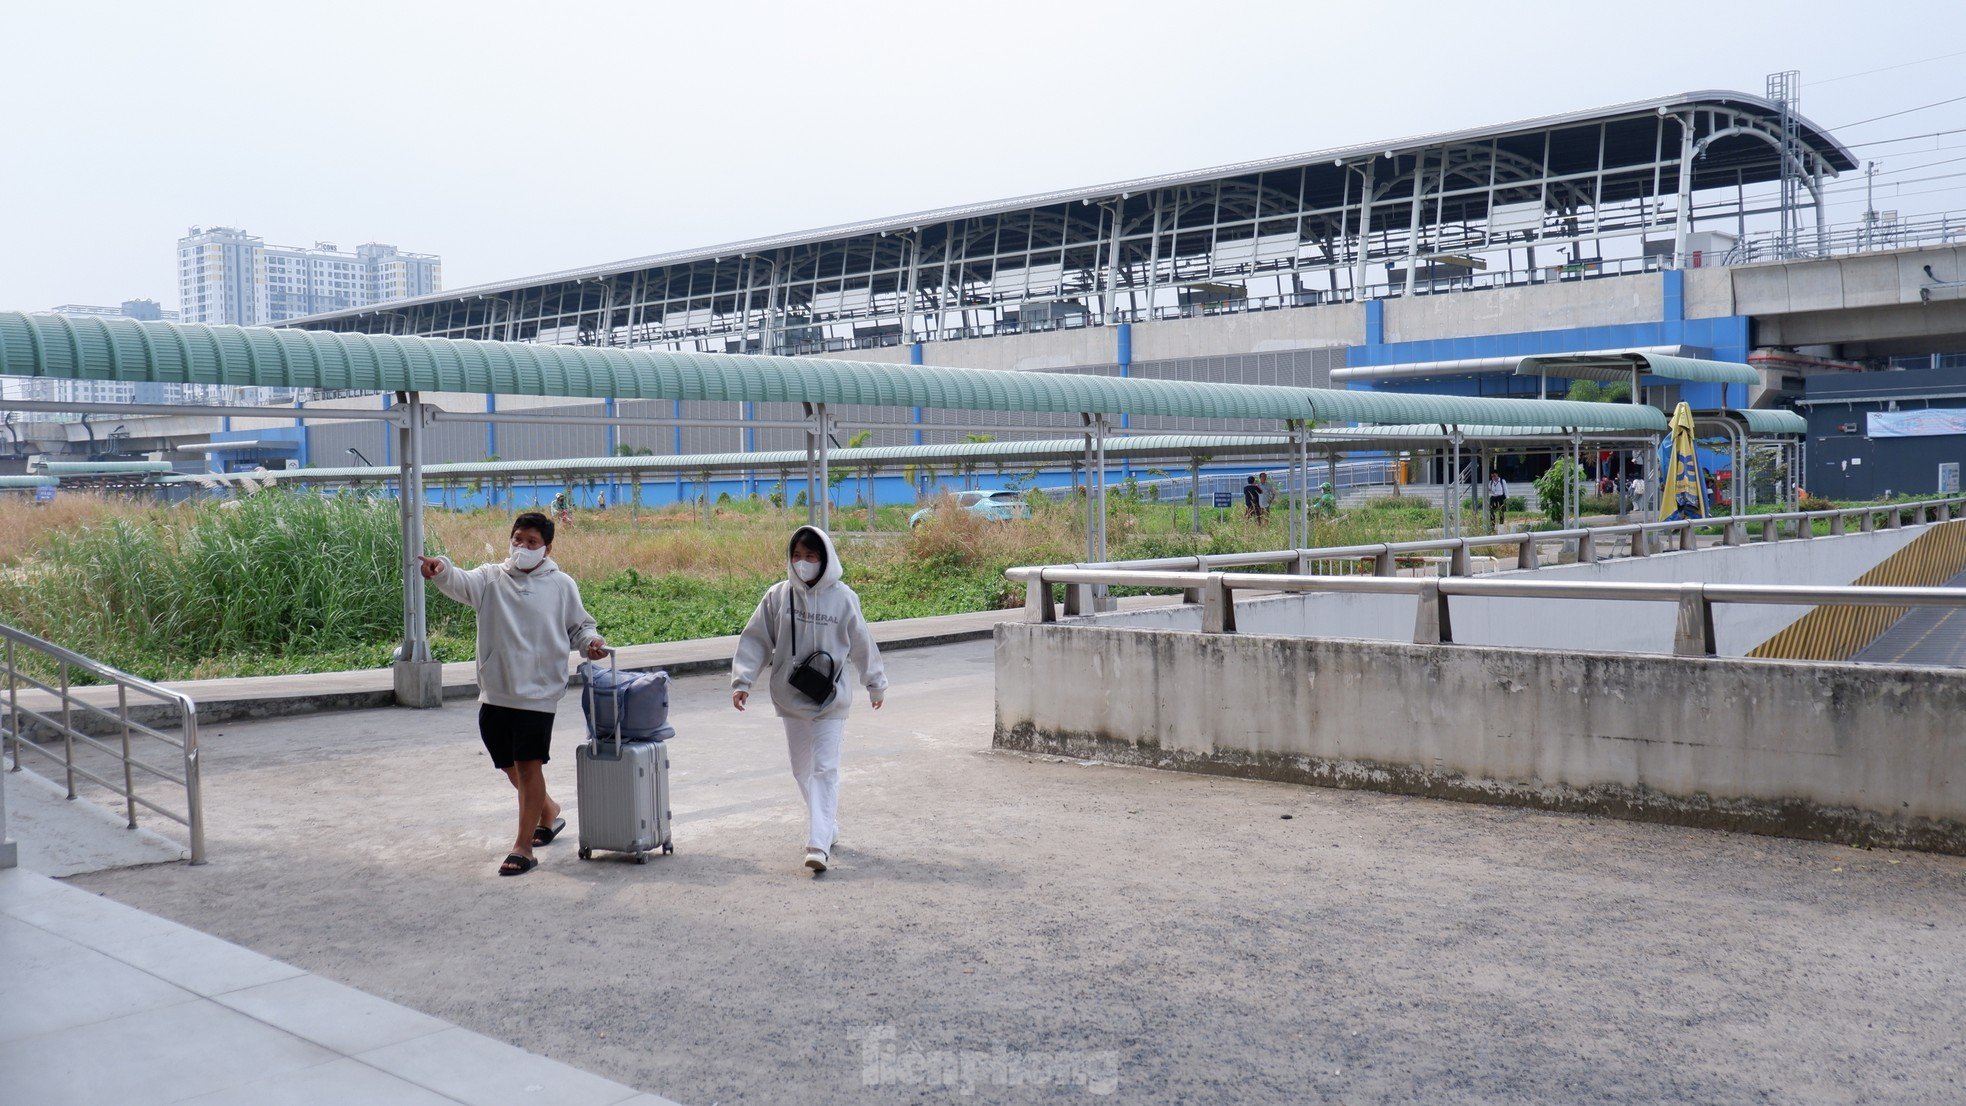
269, 700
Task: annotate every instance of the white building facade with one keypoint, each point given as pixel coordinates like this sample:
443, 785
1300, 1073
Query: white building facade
226, 275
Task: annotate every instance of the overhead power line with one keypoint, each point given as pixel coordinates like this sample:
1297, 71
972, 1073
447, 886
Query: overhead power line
1895, 114
1888, 68
1907, 138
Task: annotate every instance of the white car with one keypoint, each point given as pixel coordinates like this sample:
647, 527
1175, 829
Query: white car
995, 506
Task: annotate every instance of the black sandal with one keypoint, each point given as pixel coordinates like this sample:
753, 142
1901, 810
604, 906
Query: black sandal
516, 865
544, 835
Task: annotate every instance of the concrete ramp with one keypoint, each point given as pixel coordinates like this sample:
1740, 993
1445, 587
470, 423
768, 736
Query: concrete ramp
1936, 557
1927, 637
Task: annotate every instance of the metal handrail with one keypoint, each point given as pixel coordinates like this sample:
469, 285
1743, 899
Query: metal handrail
1693, 636
1201, 581
63, 723
1734, 529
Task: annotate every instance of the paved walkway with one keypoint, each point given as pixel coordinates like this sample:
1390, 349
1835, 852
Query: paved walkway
1003, 920
101, 1003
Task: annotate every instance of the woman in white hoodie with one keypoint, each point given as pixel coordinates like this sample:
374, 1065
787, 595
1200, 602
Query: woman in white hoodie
807, 628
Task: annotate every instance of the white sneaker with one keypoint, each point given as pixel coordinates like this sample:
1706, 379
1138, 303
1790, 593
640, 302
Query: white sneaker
816, 859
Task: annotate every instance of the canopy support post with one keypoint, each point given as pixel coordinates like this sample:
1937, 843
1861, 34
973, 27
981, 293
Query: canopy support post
419, 679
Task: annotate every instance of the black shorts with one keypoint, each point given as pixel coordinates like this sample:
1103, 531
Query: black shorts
512, 735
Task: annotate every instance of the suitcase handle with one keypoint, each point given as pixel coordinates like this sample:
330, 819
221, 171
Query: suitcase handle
614, 685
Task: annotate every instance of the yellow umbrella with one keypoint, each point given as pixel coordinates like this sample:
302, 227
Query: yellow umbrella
1683, 492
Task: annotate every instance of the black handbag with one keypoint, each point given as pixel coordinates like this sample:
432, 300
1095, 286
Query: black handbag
805, 676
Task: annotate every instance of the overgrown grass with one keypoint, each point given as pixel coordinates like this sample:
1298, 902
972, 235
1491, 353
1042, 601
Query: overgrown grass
273, 582
297, 582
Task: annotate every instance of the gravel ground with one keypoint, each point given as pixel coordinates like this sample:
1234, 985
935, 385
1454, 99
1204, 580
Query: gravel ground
1159, 937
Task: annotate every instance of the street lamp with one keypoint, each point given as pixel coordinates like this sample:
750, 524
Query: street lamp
357, 454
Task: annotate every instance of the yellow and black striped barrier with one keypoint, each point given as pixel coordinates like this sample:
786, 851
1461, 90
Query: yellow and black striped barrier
1839, 633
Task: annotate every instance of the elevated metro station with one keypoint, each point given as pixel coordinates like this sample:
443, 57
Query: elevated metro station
1686, 226
1689, 225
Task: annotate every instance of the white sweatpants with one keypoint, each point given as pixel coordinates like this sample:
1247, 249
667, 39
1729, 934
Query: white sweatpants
815, 748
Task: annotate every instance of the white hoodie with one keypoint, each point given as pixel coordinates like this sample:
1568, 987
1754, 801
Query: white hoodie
527, 623
829, 619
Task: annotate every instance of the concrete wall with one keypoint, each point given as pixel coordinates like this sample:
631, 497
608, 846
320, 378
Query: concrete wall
1709, 293
1250, 332
1835, 752
1163, 340
1861, 301
1863, 280
1568, 624
1564, 305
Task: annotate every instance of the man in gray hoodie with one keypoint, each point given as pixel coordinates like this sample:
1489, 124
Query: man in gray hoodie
529, 616
811, 612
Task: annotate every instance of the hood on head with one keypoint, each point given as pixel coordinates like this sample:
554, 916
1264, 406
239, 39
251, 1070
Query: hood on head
828, 572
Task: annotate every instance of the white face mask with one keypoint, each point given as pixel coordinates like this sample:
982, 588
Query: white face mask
525, 560
806, 571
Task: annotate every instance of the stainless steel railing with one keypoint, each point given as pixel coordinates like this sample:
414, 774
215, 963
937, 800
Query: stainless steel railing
57, 721
1202, 580
1433, 625
1636, 539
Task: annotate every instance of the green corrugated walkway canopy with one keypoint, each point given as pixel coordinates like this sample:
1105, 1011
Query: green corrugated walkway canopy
125, 349
1760, 420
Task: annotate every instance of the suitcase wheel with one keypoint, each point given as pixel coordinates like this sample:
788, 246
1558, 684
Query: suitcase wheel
641, 857
586, 854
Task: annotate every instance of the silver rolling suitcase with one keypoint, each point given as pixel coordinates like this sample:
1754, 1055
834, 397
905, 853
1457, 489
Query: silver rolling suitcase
623, 792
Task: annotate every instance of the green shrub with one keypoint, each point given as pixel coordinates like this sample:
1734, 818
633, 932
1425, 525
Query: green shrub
1550, 485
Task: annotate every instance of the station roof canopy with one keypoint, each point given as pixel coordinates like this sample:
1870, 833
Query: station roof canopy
1624, 134
1620, 366
125, 349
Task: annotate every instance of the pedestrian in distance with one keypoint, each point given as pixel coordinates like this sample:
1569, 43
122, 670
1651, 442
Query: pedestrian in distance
1498, 499
806, 628
1252, 499
1268, 497
529, 617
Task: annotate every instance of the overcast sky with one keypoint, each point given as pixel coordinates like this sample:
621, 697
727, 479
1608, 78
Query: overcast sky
521, 138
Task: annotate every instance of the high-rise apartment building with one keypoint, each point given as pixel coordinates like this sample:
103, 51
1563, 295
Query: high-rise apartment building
228, 276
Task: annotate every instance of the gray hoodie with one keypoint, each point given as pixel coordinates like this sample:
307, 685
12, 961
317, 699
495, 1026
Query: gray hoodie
527, 623
828, 614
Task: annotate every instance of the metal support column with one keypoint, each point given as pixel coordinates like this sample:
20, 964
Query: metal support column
1413, 223
1576, 485
1682, 229
1450, 498
1194, 490
1293, 485
419, 679
1099, 457
825, 477
1362, 254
